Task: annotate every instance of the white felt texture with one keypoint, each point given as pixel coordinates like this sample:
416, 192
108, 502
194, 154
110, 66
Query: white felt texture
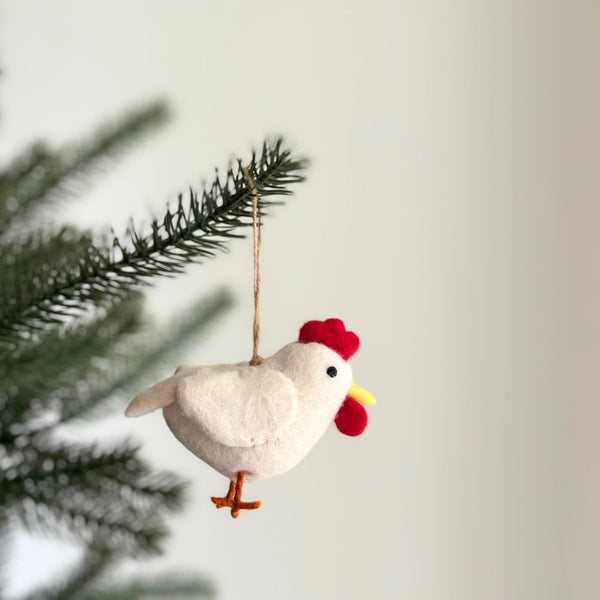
245, 406
242, 418
158, 396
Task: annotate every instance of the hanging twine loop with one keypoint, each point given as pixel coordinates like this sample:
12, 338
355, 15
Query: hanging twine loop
257, 236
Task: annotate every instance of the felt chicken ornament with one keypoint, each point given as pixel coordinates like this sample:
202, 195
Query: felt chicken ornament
254, 420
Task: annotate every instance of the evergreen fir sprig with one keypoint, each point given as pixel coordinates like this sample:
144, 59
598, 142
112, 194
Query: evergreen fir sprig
195, 230
107, 357
72, 347
41, 174
91, 567
35, 393
82, 517
138, 358
82, 584
170, 588
34, 260
115, 371
100, 469
108, 497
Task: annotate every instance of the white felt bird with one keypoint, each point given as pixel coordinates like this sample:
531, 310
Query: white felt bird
258, 421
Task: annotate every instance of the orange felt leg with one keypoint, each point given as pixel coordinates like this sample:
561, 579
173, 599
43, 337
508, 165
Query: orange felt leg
234, 498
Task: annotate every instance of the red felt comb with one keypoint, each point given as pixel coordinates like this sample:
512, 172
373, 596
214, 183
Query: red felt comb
332, 333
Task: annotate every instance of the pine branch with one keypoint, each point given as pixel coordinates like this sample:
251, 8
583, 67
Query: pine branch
139, 358
12, 177
72, 348
37, 257
42, 174
33, 386
4, 546
129, 364
116, 472
110, 498
194, 231
122, 531
93, 565
81, 584
176, 588
108, 355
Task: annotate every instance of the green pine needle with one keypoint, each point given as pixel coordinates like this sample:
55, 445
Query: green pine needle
102, 371
41, 174
34, 260
82, 584
139, 358
195, 230
109, 498
36, 391
169, 587
74, 586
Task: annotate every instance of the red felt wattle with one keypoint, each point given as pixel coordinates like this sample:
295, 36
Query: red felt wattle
351, 418
332, 333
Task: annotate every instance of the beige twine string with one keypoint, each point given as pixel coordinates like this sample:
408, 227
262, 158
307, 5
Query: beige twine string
257, 234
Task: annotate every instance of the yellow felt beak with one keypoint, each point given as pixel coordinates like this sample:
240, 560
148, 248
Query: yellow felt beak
360, 395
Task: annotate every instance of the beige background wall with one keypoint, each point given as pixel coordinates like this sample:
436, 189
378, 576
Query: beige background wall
450, 218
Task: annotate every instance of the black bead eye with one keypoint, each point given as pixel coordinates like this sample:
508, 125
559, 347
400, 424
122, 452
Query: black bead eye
332, 371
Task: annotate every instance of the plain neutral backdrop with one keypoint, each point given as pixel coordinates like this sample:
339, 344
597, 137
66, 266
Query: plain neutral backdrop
450, 217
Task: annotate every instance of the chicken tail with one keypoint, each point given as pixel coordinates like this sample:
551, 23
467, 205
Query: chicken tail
158, 396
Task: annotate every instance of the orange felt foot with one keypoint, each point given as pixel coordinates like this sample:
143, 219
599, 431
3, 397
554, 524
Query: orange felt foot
234, 498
